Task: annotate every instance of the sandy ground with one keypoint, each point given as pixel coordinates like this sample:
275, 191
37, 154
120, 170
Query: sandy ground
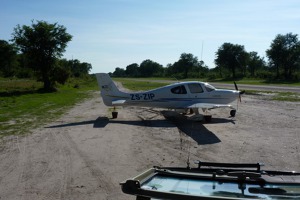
86, 153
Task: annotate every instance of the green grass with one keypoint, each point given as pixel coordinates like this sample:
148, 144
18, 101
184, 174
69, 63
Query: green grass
259, 82
23, 106
286, 96
18, 85
277, 96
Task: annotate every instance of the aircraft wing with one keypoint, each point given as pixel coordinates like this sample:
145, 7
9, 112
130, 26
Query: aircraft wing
209, 105
118, 102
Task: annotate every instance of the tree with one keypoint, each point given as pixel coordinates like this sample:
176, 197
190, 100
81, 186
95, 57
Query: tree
284, 53
119, 72
231, 57
132, 70
150, 68
79, 69
8, 55
186, 63
42, 43
255, 63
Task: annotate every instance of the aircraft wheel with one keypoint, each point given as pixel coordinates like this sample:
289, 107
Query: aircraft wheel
114, 114
232, 113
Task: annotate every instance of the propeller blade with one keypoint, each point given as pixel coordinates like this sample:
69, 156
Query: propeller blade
236, 87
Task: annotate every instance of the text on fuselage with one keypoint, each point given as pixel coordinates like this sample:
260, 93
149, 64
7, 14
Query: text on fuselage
142, 96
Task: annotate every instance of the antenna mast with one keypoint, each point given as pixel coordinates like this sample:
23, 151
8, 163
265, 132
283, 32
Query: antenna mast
202, 51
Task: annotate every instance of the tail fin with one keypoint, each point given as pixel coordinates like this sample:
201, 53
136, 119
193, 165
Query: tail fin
108, 88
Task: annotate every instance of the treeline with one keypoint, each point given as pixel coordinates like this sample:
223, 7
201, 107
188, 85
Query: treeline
14, 64
35, 52
232, 62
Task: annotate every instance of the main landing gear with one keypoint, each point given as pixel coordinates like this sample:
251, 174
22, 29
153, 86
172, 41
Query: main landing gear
232, 113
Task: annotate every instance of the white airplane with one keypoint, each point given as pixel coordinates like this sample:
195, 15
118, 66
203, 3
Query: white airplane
181, 96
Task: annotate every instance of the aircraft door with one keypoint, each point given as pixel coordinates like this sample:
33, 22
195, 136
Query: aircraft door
196, 90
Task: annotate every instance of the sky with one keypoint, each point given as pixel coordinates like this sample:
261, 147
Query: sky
116, 33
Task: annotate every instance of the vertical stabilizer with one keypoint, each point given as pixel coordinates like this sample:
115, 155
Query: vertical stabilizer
108, 88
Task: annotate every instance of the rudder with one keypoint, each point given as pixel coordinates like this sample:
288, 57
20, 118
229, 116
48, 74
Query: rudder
107, 87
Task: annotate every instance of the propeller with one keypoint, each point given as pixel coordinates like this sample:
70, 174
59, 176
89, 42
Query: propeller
240, 92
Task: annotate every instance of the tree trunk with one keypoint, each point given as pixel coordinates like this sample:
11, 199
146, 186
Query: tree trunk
48, 84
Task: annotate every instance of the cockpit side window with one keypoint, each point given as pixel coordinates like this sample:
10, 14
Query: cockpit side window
179, 90
209, 88
195, 88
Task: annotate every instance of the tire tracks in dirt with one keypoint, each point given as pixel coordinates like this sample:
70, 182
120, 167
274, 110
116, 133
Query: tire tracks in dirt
102, 180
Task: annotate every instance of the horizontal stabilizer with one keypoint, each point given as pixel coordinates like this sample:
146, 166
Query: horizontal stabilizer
118, 102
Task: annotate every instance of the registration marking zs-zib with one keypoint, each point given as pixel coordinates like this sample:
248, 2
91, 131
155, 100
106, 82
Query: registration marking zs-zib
142, 96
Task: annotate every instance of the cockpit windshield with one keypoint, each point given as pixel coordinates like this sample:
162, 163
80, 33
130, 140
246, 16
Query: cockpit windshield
209, 87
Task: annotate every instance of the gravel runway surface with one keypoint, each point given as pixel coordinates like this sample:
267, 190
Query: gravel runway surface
85, 154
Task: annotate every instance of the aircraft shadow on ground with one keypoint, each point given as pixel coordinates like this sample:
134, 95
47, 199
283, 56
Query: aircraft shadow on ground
74, 124
194, 129
101, 122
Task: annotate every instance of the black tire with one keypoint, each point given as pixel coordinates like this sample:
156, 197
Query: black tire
232, 113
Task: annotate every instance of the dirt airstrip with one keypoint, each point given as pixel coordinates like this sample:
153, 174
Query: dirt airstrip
85, 153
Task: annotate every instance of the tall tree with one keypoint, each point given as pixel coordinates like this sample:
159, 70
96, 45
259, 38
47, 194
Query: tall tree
42, 43
186, 63
231, 57
132, 70
284, 53
150, 68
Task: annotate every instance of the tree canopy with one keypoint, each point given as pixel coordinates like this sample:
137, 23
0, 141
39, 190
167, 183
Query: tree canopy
42, 43
133, 70
284, 54
150, 68
231, 57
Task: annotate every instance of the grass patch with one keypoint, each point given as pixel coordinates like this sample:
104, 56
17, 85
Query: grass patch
250, 81
286, 96
18, 86
23, 107
277, 96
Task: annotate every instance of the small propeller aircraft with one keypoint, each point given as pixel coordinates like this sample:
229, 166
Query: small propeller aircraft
181, 96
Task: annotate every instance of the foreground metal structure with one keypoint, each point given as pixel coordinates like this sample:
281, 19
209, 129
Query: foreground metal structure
208, 181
